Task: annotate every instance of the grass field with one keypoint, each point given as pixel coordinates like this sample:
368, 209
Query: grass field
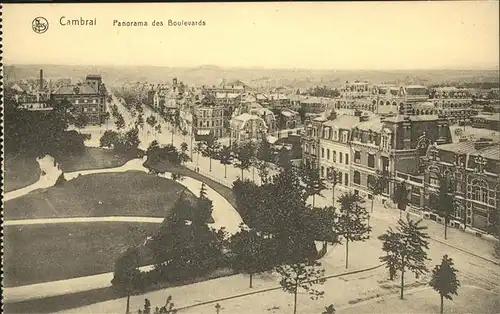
95, 158
20, 171
130, 193
41, 253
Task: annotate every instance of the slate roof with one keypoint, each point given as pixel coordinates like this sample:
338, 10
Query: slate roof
343, 122
490, 152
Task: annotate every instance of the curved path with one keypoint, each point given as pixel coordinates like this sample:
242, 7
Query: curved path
223, 214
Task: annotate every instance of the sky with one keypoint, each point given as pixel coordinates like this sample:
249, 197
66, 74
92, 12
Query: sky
342, 36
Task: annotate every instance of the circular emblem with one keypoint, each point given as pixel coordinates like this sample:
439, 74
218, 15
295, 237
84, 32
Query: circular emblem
40, 25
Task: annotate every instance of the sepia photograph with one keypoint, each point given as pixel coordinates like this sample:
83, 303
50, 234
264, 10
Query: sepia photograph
251, 158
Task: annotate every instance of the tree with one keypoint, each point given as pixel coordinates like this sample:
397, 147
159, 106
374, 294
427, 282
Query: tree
263, 170
377, 186
154, 145
168, 308
183, 156
304, 276
265, 152
302, 113
405, 249
81, 120
334, 177
211, 148
119, 122
126, 275
151, 120
249, 252
243, 153
109, 139
352, 221
311, 178
446, 203
225, 158
329, 310
400, 197
444, 280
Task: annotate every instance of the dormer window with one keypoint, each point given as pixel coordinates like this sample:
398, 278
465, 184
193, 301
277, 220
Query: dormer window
336, 135
345, 136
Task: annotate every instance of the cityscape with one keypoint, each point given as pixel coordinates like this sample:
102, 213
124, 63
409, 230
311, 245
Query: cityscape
221, 189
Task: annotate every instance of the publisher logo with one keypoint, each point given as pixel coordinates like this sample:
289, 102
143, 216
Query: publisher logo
40, 25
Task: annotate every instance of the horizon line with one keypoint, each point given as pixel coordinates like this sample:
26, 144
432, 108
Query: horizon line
479, 68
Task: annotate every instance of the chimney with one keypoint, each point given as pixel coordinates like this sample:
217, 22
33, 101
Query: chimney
41, 79
363, 118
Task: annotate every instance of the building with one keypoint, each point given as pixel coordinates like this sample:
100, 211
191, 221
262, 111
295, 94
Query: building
288, 119
487, 121
247, 127
310, 141
88, 98
208, 116
355, 90
32, 98
455, 103
334, 147
371, 153
472, 168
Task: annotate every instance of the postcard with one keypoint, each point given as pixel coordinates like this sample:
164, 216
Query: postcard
248, 158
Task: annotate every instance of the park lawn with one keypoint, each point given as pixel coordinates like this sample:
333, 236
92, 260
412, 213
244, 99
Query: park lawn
130, 193
42, 253
95, 158
20, 171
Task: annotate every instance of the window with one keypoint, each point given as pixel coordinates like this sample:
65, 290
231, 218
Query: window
344, 137
334, 156
478, 191
371, 160
201, 124
322, 152
340, 157
76, 101
346, 179
370, 180
434, 179
336, 135
357, 157
94, 101
357, 177
385, 142
328, 154
346, 159
322, 171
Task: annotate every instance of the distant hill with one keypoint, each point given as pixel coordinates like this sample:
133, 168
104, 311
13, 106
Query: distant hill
255, 77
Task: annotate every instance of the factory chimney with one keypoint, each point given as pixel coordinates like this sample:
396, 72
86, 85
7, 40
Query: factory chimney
41, 80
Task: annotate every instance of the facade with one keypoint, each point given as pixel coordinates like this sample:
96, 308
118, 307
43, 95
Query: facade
334, 148
487, 121
310, 141
289, 119
209, 116
371, 153
88, 98
455, 103
472, 168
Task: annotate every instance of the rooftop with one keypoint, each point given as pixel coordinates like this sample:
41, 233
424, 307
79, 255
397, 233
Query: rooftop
490, 152
343, 122
401, 118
